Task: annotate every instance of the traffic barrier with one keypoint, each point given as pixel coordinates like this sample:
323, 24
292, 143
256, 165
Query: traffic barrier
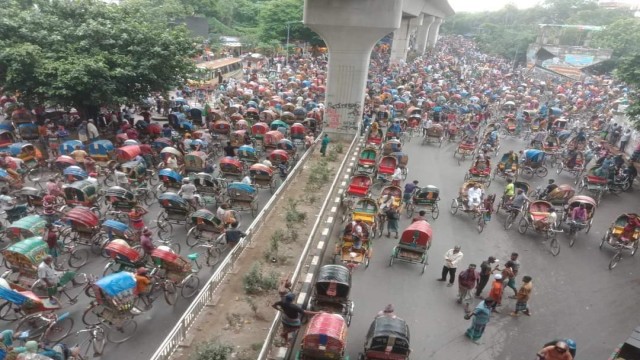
267, 345
179, 332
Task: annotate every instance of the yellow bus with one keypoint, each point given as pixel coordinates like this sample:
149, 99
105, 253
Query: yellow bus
210, 72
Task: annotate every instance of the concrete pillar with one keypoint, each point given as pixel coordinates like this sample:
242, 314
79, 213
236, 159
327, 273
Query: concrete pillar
350, 28
423, 33
400, 45
434, 30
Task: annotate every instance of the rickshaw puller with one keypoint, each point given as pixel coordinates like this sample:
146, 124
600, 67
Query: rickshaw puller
54, 279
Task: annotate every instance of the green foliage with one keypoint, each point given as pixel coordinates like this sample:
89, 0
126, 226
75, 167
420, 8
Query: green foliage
252, 304
293, 215
623, 37
212, 350
509, 31
86, 53
320, 174
628, 70
255, 282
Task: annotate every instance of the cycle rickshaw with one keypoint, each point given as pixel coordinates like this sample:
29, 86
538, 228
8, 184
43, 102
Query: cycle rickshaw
533, 163
288, 146
248, 154
427, 198
169, 180
123, 257
242, 197
177, 270
367, 161
375, 139
21, 304
623, 234
206, 227
385, 169
231, 168
346, 252
465, 149
325, 338
331, 292
69, 146
507, 167
208, 186
480, 172
175, 210
480, 211
74, 173
23, 258
575, 227
114, 306
102, 152
258, 130
414, 245
434, 134
83, 193
83, 228
535, 217
278, 157
271, 139
195, 162
359, 187
120, 199
26, 227
572, 162
262, 177
387, 338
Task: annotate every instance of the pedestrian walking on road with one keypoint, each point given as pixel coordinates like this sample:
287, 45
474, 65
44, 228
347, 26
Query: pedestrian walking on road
393, 216
514, 264
485, 273
324, 144
481, 316
496, 291
467, 281
523, 297
451, 260
624, 139
291, 316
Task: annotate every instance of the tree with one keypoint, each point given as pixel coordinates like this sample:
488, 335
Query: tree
86, 53
628, 70
274, 17
623, 37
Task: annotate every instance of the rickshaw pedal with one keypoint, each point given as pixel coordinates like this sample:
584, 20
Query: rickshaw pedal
193, 257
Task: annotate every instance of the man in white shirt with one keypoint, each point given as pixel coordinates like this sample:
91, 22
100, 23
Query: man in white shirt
121, 178
53, 278
451, 260
474, 195
188, 192
396, 177
92, 130
246, 180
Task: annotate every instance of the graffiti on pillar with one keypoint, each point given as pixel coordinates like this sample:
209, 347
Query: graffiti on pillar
333, 118
352, 112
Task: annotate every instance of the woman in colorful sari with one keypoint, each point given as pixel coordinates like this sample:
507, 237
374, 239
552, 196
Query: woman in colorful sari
481, 315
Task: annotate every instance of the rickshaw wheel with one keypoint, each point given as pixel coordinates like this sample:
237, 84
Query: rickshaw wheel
273, 185
454, 207
391, 258
35, 325
120, 334
554, 246
193, 236
10, 313
366, 262
589, 226
213, 256
39, 288
605, 237
634, 248
615, 260
481, 224
527, 172
424, 266
254, 208
435, 212
67, 235
542, 171
78, 258
410, 208
559, 169
361, 356
35, 174
572, 238
59, 330
170, 292
189, 286
523, 225
108, 269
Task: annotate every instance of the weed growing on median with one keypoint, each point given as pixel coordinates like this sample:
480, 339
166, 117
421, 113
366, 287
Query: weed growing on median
256, 282
271, 254
293, 215
212, 350
319, 175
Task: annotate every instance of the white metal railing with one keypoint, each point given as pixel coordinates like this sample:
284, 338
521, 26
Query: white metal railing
266, 346
205, 296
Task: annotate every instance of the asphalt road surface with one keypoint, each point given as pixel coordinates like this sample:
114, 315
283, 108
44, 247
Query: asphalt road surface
155, 324
575, 295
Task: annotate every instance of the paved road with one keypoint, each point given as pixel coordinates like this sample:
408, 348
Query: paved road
154, 325
575, 295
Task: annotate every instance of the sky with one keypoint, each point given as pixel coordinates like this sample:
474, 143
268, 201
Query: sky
489, 5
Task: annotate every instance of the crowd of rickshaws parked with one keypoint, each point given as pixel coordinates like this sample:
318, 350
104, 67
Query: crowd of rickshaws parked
201, 167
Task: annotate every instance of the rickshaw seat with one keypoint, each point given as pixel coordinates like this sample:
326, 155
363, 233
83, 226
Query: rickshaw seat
536, 215
596, 179
193, 256
45, 303
366, 217
357, 190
